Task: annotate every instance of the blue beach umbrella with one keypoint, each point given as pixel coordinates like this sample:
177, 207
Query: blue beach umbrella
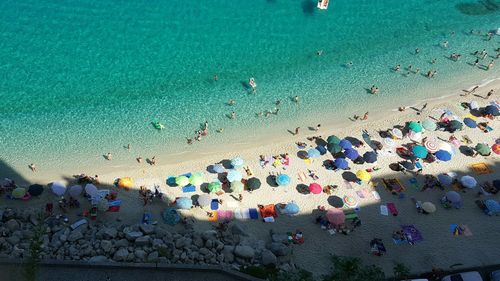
370, 157
313, 153
345, 144
184, 203
491, 109
234, 175
237, 162
443, 155
492, 205
291, 209
445, 179
351, 154
218, 168
470, 123
341, 163
282, 180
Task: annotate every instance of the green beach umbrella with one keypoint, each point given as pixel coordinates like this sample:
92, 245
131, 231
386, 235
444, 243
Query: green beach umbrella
483, 149
19, 192
429, 125
237, 186
196, 179
455, 125
333, 139
253, 183
182, 181
419, 151
415, 126
334, 148
214, 186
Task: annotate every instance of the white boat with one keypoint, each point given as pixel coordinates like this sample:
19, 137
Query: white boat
323, 4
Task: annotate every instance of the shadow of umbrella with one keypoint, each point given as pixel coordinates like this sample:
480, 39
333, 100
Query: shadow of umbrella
308, 7
302, 188
335, 201
271, 181
355, 142
226, 163
349, 176
321, 142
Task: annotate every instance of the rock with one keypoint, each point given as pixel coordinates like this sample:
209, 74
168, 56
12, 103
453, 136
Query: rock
121, 255
180, 243
12, 225
281, 238
109, 233
106, 246
142, 241
75, 235
121, 243
209, 243
147, 228
279, 249
268, 258
153, 256
133, 235
63, 238
244, 252
198, 241
140, 254
237, 229
204, 251
157, 243
73, 251
16, 252
13, 240
209, 234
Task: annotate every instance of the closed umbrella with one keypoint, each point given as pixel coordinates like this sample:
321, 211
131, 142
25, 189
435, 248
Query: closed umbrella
91, 190
237, 162
35, 189
335, 216
204, 200
483, 149
445, 179
363, 175
315, 188
468, 181
370, 157
431, 145
237, 187
492, 205
414, 136
283, 180
419, 151
389, 142
491, 110
253, 183
58, 188
334, 148
429, 125
181, 181
291, 209
214, 187
184, 203
313, 153
415, 127
470, 123
18, 192
218, 168
455, 125
345, 144
75, 190
341, 163
443, 155
333, 139
453, 197
397, 133
351, 154
234, 175
196, 179
126, 182
335, 201
428, 207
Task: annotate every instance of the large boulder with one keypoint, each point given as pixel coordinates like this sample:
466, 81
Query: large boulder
109, 233
237, 229
121, 255
246, 252
133, 235
74, 236
98, 259
268, 258
12, 225
106, 246
279, 249
142, 241
147, 228
121, 243
153, 256
209, 234
140, 254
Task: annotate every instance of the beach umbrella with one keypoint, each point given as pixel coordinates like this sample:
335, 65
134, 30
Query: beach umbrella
237, 186
253, 183
473, 105
445, 179
333, 139
389, 142
214, 186
397, 133
363, 175
345, 144
428, 207
126, 182
18, 192
496, 148
181, 181
370, 157
313, 153
283, 179
103, 205
291, 209
483, 149
455, 125
431, 145
408, 165
35, 189
196, 179
415, 127
429, 125
350, 202
414, 136
419, 151
315, 188
237, 162
492, 205
468, 181
91, 190
58, 188
341, 163
234, 175
204, 200
351, 153
171, 216
184, 203
491, 109
447, 147
453, 196
335, 201
470, 123
335, 216
218, 168
334, 148
443, 155
75, 190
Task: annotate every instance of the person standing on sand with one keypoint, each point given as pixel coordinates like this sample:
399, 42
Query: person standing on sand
365, 117
231, 102
139, 159
129, 147
489, 94
109, 156
32, 167
233, 115
317, 127
153, 161
297, 131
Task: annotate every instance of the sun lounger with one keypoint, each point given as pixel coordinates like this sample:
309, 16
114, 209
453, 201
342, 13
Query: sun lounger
393, 185
78, 224
481, 168
383, 210
189, 188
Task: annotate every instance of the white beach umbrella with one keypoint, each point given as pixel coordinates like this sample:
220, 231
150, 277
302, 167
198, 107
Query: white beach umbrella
389, 142
447, 147
58, 188
415, 136
91, 190
397, 133
75, 190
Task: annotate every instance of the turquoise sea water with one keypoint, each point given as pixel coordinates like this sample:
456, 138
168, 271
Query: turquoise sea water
81, 78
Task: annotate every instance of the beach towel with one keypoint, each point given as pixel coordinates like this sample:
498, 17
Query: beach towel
302, 176
242, 214
114, 205
214, 205
393, 185
268, 211
351, 216
225, 215
412, 233
392, 209
253, 213
360, 194
213, 217
376, 195
464, 230
189, 188
481, 168
308, 161
383, 210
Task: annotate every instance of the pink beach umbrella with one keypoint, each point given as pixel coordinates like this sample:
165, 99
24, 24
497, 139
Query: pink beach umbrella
335, 216
431, 145
315, 188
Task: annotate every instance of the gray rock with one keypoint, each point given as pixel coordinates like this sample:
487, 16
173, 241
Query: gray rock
63, 238
181, 242
133, 235
142, 241
268, 258
281, 238
244, 252
121, 255
12, 225
279, 249
13, 240
75, 235
237, 229
153, 256
121, 243
147, 228
109, 233
157, 243
73, 251
106, 246
209, 243
209, 234
140, 254
204, 251
198, 241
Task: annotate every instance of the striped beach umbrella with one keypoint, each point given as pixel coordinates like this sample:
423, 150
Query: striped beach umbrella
431, 145
350, 202
496, 148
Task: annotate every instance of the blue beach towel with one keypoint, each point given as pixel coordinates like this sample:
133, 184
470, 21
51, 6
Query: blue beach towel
254, 214
189, 188
214, 205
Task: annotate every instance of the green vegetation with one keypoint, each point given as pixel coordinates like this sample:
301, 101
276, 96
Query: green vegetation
352, 269
32, 263
401, 271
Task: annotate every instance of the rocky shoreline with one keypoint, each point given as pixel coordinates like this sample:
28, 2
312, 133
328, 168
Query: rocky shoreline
227, 246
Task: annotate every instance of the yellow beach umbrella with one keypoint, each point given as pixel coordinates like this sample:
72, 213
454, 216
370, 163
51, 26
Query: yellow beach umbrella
181, 180
196, 179
363, 175
126, 182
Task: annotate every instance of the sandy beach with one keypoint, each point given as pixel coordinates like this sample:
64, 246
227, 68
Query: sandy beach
440, 248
